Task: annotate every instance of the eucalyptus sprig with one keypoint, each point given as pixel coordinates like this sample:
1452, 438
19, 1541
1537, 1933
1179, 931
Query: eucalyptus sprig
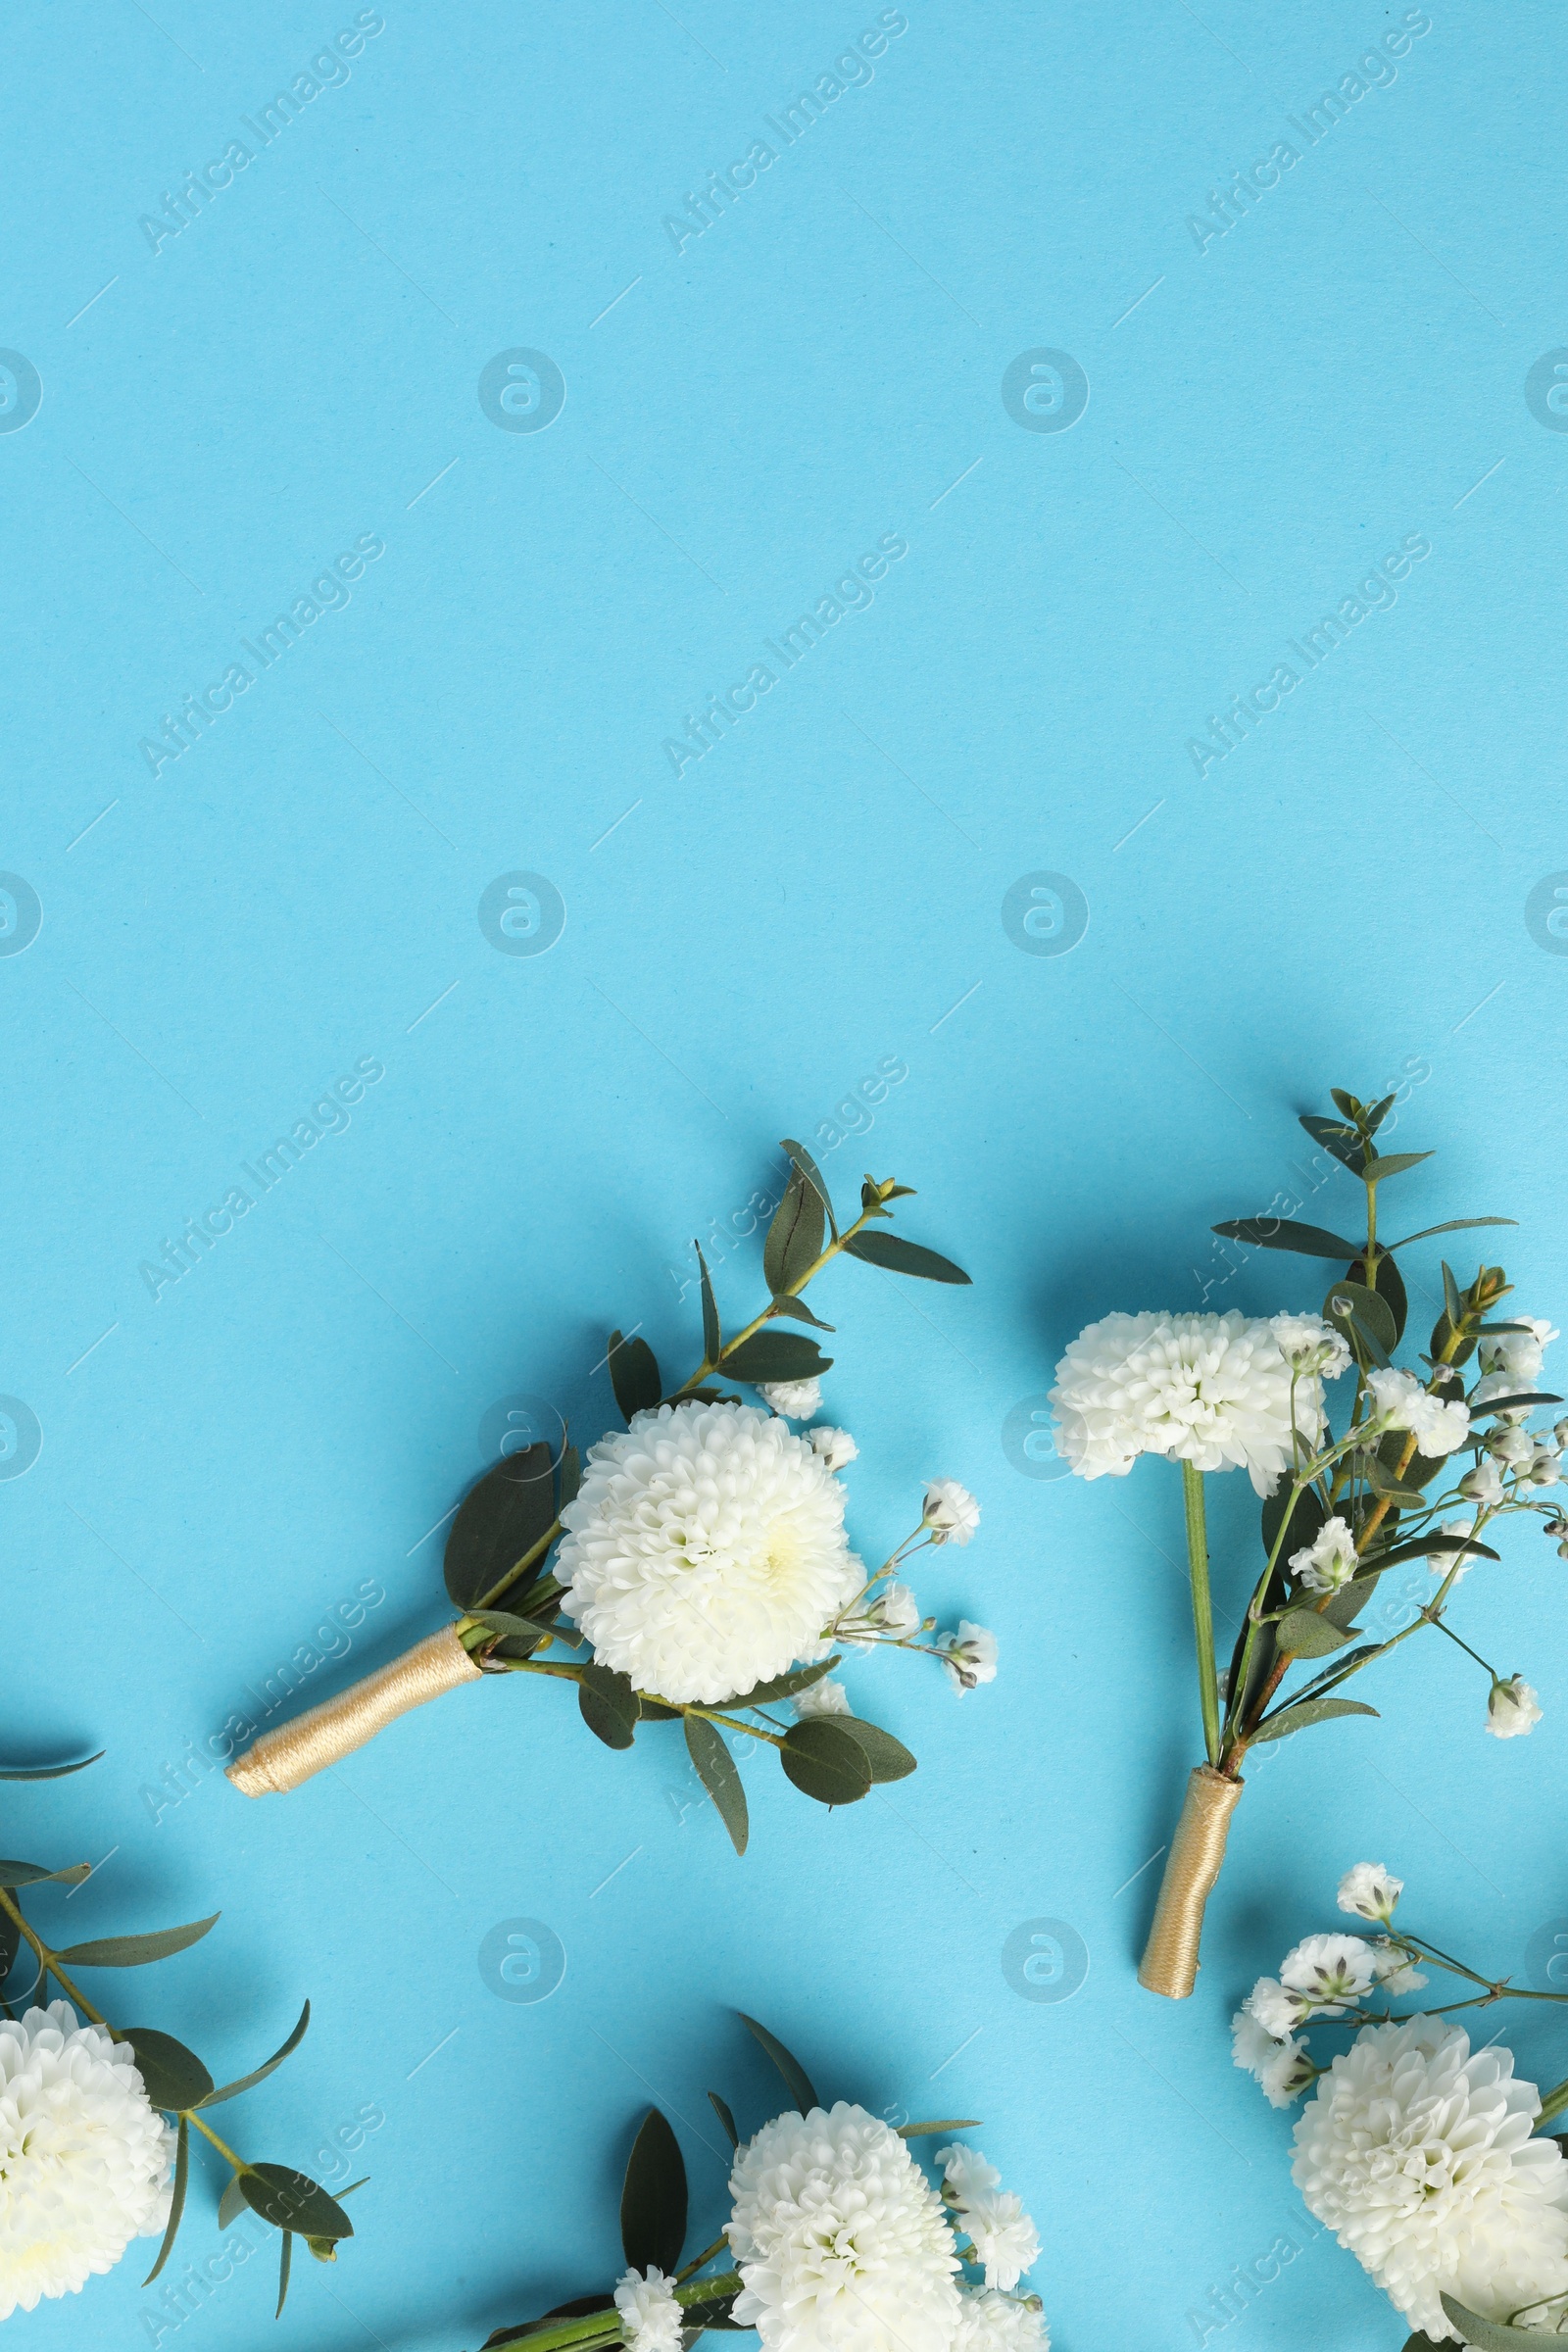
519, 1612
176, 2082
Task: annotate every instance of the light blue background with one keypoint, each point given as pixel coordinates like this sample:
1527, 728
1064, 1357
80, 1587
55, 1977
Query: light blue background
1342, 899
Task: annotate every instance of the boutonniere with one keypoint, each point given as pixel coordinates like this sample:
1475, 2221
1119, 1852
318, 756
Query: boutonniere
1424, 2156
1420, 1465
836, 2242
697, 1565
96, 2118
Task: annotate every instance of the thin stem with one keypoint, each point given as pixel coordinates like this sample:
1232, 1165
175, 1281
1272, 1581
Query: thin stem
1553, 2103
1203, 1607
591, 2325
1444, 1628
720, 2245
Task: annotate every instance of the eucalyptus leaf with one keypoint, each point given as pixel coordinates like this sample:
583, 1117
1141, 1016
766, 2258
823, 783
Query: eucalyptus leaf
292, 2200
1306, 1519
608, 1705
1303, 1715
138, 1951
721, 2108
826, 1762
1454, 1225
1346, 1606
46, 1772
1304, 1634
713, 1335
652, 2201
499, 1519
775, 1356
1389, 1287
1336, 1136
948, 2123
633, 1375
232, 2091
1423, 1546
897, 1256
177, 2206
795, 1238
232, 2204
32, 1874
1511, 1404
807, 1166
173, 2077
1392, 1163
285, 2263
1371, 1315
1375, 1114
568, 1477
799, 1312
889, 1758
502, 1621
1490, 2335
796, 2077
1423, 2343
1283, 1233
715, 1769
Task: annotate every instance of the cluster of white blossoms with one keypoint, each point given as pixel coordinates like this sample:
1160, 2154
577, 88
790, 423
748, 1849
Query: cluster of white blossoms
842, 2245
1217, 1391
650, 2319
85, 2160
705, 1551
1418, 2155
1399, 1401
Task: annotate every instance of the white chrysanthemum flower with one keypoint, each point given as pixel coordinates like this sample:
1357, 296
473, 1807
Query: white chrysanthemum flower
836, 1446
1457, 1563
1401, 1402
993, 2323
1369, 1892
1283, 2069
1308, 1345
1512, 1709
85, 2160
826, 1697
795, 1399
969, 1655
705, 1551
1330, 1559
1418, 2157
1210, 1390
1483, 1485
951, 1513
650, 2319
1518, 1353
841, 2242
1329, 1973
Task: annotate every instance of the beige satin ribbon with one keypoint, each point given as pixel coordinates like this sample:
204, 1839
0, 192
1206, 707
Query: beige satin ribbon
1169, 1964
296, 1751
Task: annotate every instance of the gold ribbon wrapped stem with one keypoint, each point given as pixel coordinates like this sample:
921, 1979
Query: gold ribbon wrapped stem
1169, 1964
296, 1751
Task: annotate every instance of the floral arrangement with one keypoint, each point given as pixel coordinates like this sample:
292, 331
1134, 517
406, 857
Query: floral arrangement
1422, 2156
95, 2120
1420, 1467
836, 2242
700, 1558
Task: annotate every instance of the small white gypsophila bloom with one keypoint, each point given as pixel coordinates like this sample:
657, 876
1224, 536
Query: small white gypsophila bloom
705, 1551
1396, 1973
1277, 2011
1329, 1560
1441, 1562
951, 1513
1001, 2234
795, 1399
993, 2323
86, 2159
1369, 1892
1418, 2157
889, 1612
1309, 1344
1518, 1353
1510, 1443
1547, 1468
966, 2174
1483, 1484
836, 1446
826, 1697
841, 2242
1401, 1402
650, 2319
1283, 2069
1329, 1973
969, 1655
1210, 1390
1513, 1709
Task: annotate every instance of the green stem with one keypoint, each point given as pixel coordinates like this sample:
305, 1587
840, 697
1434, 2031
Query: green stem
1203, 1607
591, 2326
1553, 2104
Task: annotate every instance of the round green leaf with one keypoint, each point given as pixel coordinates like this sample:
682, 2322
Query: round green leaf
173, 2075
826, 1762
292, 2200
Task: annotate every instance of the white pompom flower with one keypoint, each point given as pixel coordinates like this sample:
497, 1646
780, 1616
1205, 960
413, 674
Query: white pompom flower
951, 1513
86, 2159
995, 2322
705, 1551
1512, 1709
1210, 1390
650, 2319
795, 1399
1368, 1890
841, 2242
1419, 2157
